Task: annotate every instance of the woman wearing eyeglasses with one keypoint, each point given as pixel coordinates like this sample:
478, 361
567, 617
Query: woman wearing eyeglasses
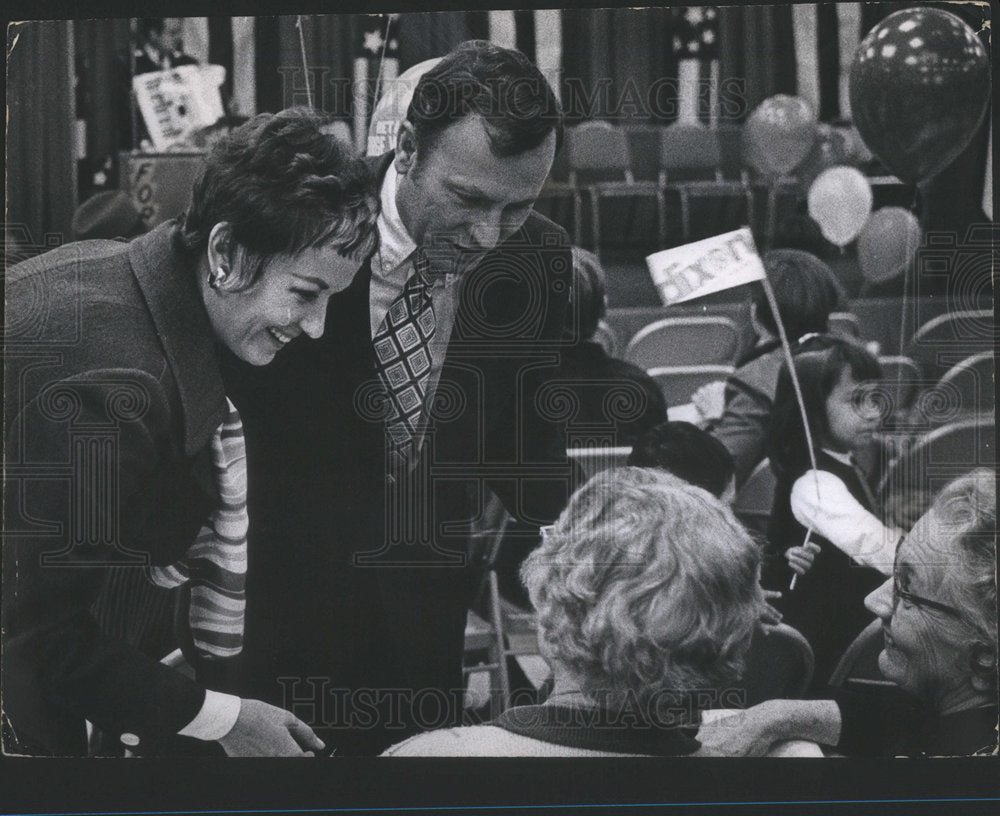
939, 620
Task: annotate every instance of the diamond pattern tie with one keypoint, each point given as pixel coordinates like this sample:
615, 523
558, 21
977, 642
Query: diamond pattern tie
216, 564
403, 360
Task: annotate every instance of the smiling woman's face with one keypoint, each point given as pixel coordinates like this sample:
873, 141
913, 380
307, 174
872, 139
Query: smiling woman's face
925, 644
288, 299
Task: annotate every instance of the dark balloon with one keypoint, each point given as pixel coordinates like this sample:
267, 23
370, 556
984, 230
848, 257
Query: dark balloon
920, 84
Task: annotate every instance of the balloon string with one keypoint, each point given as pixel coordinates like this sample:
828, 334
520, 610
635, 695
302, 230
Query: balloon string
773, 303
381, 61
906, 289
305, 65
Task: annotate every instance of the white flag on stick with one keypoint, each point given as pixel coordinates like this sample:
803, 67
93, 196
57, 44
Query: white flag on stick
717, 263
722, 262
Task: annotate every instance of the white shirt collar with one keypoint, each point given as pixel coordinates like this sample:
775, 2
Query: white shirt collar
843, 458
396, 243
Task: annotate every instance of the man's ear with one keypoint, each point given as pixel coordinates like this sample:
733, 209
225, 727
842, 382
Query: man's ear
406, 148
219, 250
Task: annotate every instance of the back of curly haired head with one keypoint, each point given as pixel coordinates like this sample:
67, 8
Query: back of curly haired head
500, 85
646, 588
283, 186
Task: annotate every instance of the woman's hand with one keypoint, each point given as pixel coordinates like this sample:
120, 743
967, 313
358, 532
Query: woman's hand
801, 558
769, 616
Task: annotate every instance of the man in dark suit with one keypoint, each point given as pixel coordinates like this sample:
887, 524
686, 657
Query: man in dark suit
362, 497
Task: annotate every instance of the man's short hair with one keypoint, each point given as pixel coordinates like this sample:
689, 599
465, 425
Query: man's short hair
687, 452
500, 85
805, 288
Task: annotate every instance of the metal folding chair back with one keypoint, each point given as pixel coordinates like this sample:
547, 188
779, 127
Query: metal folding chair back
683, 341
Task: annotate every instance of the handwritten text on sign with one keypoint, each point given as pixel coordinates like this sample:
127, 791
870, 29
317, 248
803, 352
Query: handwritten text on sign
717, 263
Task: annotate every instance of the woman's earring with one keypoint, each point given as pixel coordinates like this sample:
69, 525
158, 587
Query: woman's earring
218, 277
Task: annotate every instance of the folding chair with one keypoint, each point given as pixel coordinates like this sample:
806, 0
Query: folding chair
933, 460
676, 341
693, 150
900, 381
950, 338
599, 162
859, 664
844, 324
755, 498
607, 338
503, 630
779, 665
973, 383
678, 383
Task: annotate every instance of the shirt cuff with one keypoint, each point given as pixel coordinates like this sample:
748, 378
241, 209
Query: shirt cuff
217, 717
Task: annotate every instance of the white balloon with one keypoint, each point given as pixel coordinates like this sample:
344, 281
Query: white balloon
840, 201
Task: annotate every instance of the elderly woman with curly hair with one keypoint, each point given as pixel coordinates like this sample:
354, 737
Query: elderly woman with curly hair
647, 593
939, 623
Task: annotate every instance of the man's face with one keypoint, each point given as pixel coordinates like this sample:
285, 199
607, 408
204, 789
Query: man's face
458, 194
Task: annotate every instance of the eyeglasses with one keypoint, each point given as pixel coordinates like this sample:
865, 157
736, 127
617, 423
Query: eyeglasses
916, 600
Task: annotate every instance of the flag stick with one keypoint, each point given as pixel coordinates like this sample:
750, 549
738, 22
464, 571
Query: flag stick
773, 303
305, 65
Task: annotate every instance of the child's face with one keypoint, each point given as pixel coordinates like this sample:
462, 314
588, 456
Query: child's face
851, 412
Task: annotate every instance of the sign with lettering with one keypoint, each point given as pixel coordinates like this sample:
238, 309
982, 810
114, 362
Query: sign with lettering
711, 265
176, 103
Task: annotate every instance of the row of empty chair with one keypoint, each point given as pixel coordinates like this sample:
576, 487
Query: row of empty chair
694, 340
689, 160
685, 352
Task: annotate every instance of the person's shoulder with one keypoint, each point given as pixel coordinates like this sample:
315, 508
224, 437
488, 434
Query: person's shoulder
471, 740
759, 376
538, 232
67, 259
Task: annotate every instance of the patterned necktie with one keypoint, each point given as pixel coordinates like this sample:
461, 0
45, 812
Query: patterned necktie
216, 563
403, 360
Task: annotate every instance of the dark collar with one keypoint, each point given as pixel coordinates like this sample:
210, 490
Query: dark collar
596, 730
173, 300
961, 733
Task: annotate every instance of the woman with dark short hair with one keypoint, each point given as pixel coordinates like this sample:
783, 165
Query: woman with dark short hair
124, 455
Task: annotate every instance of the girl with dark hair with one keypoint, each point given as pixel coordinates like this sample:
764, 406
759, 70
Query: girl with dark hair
824, 529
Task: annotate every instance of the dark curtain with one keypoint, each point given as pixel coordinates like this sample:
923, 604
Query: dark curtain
104, 77
41, 168
757, 46
614, 61
425, 36
331, 44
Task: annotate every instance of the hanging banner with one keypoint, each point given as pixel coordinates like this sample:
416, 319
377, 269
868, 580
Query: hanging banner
711, 265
